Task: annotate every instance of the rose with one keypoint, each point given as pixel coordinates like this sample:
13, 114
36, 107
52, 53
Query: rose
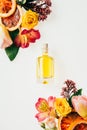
62, 107
30, 19
80, 105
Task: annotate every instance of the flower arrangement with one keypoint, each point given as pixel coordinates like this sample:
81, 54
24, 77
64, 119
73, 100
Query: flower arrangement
18, 19
68, 112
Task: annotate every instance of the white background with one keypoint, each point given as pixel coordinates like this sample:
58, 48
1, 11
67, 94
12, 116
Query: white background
66, 33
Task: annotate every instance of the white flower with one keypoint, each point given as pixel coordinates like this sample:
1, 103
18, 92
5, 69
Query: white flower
51, 123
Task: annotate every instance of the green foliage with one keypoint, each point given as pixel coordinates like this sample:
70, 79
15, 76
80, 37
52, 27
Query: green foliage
51, 128
43, 125
13, 34
12, 51
79, 92
22, 2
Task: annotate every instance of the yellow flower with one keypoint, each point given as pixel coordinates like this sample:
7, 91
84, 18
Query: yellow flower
62, 107
29, 19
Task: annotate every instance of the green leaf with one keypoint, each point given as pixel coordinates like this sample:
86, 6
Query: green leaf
12, 51
79, 92
42, 125
13, 34
21, 2
51, 128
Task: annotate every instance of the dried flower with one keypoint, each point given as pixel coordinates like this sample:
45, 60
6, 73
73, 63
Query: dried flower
42, 7
69, 89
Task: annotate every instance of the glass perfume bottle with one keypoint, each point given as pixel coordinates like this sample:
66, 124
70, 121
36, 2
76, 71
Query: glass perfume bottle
45, 66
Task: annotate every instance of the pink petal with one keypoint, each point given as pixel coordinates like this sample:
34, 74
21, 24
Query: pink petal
80, 105
51, 100
40, 104
41, 116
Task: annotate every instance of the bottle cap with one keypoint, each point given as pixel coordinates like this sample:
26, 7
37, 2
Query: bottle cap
45, 48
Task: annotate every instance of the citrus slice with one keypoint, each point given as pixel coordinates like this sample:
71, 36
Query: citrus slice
13, 22
72, 122
7, 7
5, 39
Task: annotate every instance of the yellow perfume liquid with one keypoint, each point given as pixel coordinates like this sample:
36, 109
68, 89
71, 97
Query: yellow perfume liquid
45, 66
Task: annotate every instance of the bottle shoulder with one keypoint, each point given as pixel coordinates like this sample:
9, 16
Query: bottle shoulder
46, 57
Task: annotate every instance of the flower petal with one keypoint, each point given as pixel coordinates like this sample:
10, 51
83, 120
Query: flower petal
51, 100
41, 116
80, 105
62, 107
24, 31
5, 39
33, 35
29, 19
21, 40
42, 105
17, 40
51, 123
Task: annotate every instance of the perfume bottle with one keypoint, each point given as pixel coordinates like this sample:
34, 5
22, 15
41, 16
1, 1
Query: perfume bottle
45, 66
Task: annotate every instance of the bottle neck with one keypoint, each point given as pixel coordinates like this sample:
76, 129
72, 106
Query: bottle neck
45, 49
45, 53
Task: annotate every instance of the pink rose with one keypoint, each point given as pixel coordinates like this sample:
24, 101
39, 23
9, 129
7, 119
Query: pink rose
80, 105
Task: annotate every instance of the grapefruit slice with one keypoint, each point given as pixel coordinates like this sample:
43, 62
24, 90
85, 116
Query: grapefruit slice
72, 122
5, 39
7, 7
13, 21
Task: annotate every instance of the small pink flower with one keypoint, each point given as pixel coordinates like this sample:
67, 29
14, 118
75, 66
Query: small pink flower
80, 105
45, 108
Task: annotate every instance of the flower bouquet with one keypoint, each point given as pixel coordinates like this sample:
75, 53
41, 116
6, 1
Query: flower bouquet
68, 112
18, 19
